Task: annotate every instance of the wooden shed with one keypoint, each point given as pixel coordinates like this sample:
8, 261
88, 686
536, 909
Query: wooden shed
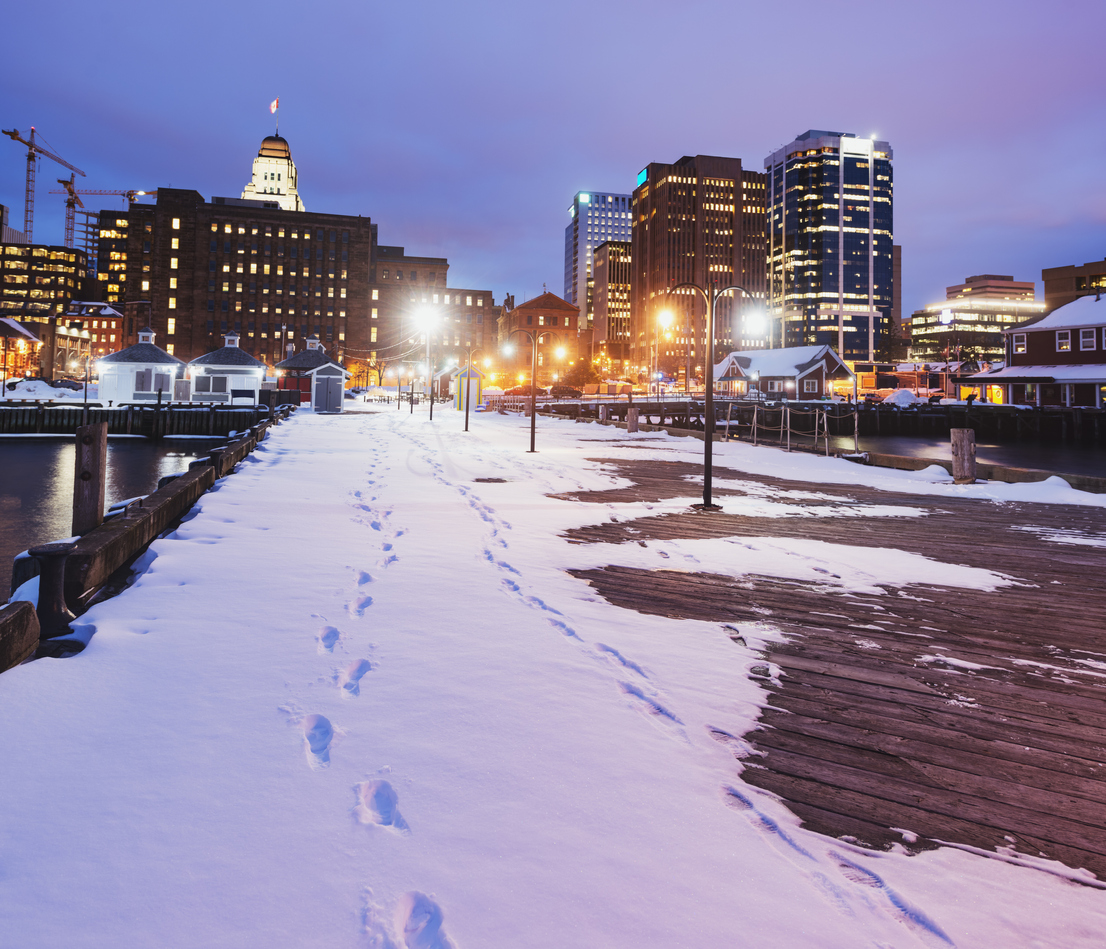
140, 373
229, 375
319, 379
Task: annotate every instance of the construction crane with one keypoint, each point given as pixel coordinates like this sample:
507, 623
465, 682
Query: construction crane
72, 202
33, 149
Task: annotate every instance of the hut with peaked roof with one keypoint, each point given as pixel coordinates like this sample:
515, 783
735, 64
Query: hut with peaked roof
229, 375
318, 378
795, 372
140, 373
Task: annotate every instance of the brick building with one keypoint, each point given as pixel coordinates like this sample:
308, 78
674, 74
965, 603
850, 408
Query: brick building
554, 323
194, 270
700, 220
610, 339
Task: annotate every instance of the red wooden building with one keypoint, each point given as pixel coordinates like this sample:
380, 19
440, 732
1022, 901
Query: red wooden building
1057, 359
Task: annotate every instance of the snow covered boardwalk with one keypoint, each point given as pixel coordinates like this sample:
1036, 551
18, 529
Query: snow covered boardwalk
430, 733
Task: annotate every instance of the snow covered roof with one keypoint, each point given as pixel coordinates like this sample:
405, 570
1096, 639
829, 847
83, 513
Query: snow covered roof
1085, 311
305, 359
228, 356
792, 361
141, 353
14, 330
1078, 373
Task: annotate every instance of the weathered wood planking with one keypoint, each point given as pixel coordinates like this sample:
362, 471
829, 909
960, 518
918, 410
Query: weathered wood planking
963, 715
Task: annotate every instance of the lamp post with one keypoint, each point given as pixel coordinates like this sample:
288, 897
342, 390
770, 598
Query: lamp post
429, 319
710, 297
535, 338
468, 382
664, 319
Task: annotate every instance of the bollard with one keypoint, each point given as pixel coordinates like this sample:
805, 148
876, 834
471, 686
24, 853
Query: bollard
216, 456
632, 419
54, 616
963, 455
603, 413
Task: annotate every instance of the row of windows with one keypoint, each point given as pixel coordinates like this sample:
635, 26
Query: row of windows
1088, 340
294, 232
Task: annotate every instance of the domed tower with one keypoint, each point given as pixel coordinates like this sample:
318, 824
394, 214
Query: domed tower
274, 175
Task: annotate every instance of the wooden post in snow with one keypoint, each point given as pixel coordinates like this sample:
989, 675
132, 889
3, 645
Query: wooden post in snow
963, 455
632, 419
90, 477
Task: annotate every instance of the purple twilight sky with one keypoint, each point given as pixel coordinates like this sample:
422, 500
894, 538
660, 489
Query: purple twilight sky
463, 130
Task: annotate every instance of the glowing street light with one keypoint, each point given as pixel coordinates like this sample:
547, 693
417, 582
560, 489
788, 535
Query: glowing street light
710, 297
664, 321
428, 319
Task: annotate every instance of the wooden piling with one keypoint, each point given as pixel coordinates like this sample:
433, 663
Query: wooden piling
90, 477
963, 455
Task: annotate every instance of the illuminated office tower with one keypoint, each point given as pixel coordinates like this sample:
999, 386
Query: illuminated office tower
596, 217
830, 224
698, 220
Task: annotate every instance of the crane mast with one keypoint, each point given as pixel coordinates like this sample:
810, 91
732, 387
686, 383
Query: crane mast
33, 150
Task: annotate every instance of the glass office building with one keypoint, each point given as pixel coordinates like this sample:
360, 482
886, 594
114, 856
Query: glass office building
830, 236
596, 217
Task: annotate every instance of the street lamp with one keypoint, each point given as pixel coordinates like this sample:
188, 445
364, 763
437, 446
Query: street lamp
468, 381
710, 297
428, 320
664, 319
535, 338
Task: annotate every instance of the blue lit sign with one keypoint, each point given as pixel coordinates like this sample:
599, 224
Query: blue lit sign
642, 176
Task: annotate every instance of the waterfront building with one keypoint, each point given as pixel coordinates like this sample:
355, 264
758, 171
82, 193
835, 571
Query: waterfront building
228, 374
1064, 284
143, 372
971, 319
830, 239
195, 270
610, 339
596, 217
103, 322
1056, 359
699, 220
554, 322
797, 372
19, 352
40, 278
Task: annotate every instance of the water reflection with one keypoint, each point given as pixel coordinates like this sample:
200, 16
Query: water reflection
36, 485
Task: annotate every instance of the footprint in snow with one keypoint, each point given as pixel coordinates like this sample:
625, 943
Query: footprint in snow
349, 680
363, 578
419, 919
318, 733
327, 637
378, 803
359, 604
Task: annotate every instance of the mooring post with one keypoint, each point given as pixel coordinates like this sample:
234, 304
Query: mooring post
54, 616
90, 477
963, 455
632, 419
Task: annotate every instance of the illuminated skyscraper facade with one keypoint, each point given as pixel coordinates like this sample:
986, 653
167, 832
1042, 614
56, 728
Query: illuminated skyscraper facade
596, 217
699, 220
830, 238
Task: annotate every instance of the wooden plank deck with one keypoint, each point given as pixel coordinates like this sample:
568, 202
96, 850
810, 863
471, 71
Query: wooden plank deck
954, 714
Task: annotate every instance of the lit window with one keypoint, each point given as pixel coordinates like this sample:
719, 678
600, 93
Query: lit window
176, 243
172, 327
342, 294
172, 263
176, 224
172, 303
145, 283
168, 348
372, 334
226, 228
374, 312
1063, 341
468, 301
172, 283
376, 295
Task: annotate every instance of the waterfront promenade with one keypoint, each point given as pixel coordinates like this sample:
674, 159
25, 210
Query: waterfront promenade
392, 684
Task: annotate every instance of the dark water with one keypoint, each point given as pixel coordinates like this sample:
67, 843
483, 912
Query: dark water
1049, 456
36, 485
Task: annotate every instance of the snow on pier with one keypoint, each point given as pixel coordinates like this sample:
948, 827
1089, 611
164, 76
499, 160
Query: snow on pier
359, 699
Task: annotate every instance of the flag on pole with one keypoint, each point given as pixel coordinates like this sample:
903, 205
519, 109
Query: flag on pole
274, 105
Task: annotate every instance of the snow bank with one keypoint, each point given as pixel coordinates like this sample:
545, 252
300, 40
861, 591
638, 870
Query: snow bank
902, 398
38, 389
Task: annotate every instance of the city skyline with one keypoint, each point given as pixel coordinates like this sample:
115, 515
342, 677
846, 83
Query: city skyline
994, 119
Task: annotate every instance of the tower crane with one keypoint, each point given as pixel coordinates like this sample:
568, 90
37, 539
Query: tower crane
72, 202
33, 149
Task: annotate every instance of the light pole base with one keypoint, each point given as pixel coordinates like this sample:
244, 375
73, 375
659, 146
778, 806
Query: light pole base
707, 508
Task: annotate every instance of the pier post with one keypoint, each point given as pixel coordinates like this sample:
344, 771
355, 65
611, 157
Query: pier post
90, 477
632, 419
963, 455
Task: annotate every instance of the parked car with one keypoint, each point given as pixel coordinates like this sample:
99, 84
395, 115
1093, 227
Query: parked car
67, 384
525, 390
564, 392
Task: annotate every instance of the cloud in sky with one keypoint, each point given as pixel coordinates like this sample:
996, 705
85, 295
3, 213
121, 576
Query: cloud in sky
463, 130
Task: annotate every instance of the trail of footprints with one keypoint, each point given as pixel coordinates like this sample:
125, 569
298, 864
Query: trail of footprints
417, 919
